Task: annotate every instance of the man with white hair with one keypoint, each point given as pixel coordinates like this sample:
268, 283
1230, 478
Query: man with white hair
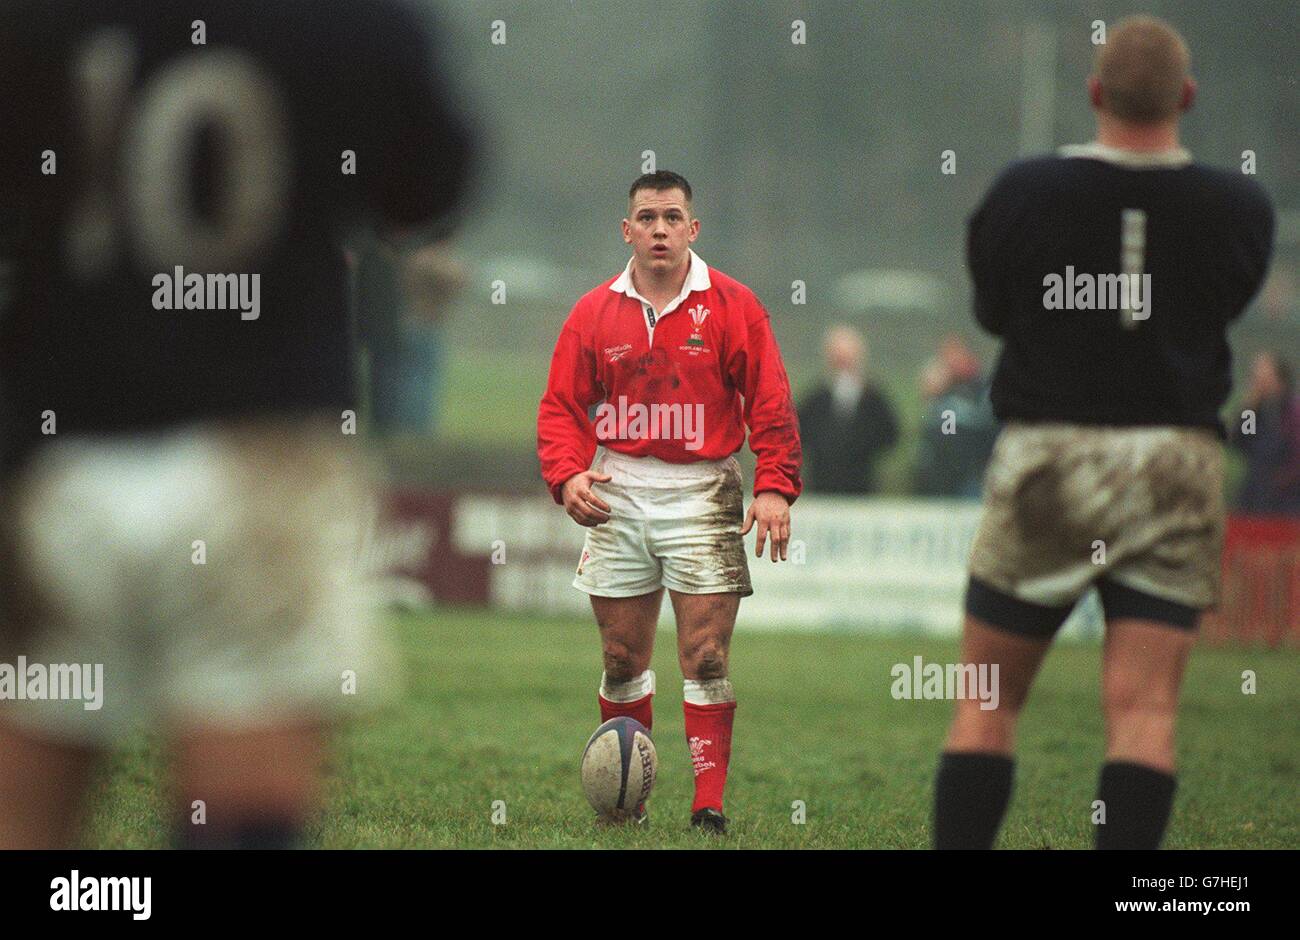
847, 423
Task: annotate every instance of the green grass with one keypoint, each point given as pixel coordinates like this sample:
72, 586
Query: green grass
491, 397
498, 707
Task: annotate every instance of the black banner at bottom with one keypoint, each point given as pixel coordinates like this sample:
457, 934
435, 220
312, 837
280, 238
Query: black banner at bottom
364, 888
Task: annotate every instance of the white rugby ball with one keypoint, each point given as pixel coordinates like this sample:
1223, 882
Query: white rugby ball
618, 768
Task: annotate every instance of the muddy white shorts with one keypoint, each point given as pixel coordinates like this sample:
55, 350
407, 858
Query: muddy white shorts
212, 577
1137, 511
671, 525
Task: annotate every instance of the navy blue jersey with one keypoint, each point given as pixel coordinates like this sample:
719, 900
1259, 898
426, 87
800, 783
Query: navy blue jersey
146, 176
1203, 236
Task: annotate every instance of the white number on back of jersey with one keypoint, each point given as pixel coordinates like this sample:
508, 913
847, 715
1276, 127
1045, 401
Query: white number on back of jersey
1133, 256
154, 136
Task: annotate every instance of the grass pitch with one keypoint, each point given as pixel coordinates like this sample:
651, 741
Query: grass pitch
498, 708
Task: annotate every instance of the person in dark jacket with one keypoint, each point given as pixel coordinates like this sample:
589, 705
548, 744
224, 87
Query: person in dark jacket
1268, 435
846, 423
958, 426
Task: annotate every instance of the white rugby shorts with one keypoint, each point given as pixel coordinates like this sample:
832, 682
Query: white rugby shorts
214, 573
671, 525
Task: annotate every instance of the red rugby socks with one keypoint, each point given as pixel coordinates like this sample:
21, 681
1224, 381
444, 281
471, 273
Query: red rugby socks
709, 707
631, 698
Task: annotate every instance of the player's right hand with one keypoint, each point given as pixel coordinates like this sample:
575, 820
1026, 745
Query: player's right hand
584, 506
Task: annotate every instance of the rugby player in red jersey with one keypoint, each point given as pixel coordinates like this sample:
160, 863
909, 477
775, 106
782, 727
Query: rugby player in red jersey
680, 359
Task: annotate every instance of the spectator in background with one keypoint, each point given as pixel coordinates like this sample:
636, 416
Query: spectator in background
400, 299
1272, 452
958, 426
846, 423
432, 277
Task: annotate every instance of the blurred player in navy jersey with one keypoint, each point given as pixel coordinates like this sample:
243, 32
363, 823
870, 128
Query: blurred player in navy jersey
1109, 470
183, 502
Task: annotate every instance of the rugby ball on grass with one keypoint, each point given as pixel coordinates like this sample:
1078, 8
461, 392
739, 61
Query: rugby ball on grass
618, 768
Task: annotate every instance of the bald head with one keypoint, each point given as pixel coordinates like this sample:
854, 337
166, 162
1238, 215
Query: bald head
1143, 69
844, 349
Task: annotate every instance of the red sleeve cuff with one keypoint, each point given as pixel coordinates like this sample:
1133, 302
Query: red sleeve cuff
562, 476
777, 484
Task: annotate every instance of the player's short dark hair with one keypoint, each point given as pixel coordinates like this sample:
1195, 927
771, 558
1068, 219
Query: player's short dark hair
659, 181
1142, 66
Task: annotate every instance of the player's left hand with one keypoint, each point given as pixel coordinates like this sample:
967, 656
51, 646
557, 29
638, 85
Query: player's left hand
772, 513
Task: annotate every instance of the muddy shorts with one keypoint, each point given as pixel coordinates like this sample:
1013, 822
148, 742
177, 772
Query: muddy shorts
671, 525
1136, 511
211, 576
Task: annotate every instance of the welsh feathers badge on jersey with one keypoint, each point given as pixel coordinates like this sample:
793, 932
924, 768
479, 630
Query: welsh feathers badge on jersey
695, 342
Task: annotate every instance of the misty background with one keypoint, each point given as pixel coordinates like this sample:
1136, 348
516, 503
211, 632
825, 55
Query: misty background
817, 162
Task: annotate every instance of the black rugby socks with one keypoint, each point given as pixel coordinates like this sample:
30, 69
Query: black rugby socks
1137, 801
971, 793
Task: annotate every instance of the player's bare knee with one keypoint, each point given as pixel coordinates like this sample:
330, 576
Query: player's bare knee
1135, 698
706, 660
712, 666
620, 663
1146, 719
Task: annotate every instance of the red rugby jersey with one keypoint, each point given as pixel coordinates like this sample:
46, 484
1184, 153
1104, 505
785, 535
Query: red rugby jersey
710, 355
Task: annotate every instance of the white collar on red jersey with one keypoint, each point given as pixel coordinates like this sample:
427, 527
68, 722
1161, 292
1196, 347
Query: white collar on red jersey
1129, 159
697, 278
